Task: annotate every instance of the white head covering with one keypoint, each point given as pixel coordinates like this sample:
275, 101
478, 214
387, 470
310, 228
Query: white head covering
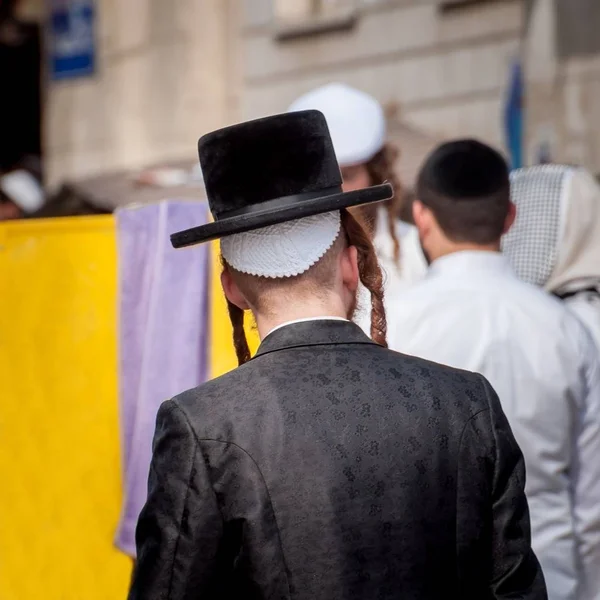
356, 121
555, 241
23, 190
532, 243
282, 250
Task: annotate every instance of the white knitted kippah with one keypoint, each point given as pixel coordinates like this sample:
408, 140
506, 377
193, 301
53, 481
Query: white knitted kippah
282, 250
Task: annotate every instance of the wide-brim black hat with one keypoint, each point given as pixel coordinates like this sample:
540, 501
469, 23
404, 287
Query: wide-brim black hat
271, 171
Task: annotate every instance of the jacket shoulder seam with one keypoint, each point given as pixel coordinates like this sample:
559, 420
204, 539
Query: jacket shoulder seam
265, 486
458, 467
187, 495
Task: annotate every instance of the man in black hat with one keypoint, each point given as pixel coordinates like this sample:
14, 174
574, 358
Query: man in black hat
326, 466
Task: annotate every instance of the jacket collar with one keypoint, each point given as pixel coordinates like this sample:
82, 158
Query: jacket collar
313, 333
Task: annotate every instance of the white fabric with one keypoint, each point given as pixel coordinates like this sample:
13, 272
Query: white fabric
555, 242
578, 265
472, 312
532, 243
305, 320
282, 250
397, 276
356, 121
23, 190
586, 305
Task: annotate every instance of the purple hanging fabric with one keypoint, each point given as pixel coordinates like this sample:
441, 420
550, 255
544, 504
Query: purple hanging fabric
163, 333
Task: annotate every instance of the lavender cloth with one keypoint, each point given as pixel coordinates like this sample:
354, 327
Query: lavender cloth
163, 333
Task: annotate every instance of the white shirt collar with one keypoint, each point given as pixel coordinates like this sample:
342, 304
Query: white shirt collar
469, 261
305, 321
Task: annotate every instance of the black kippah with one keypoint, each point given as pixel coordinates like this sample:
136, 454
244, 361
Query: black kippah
464, 169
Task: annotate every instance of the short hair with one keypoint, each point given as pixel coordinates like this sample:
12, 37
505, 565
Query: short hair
466, 185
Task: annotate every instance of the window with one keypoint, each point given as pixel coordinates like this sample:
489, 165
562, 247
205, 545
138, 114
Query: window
577, 28
300, 18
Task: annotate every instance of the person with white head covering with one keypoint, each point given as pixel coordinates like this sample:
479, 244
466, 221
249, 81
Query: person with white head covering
555, 241
472, 312
326, 466
358, 129
20, 194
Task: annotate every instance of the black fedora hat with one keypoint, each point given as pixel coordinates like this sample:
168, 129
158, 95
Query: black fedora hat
270, 171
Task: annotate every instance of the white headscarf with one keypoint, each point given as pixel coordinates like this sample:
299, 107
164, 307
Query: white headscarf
555, 241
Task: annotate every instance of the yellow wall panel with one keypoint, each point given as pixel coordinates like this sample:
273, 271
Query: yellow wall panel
59, 437
221, 352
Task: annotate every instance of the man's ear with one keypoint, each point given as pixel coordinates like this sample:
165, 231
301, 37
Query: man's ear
232, 291
421, 216
510, 218
349, 268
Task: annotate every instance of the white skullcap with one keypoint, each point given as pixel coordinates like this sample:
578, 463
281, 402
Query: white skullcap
356, 121
282, 250
23, 190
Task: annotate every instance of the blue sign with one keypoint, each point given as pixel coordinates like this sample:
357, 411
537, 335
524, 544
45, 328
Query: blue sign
513, 116
72, 43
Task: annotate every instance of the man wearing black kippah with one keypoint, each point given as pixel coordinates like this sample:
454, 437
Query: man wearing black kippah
472, 312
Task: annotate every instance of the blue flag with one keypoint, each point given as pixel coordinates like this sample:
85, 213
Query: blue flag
514, 116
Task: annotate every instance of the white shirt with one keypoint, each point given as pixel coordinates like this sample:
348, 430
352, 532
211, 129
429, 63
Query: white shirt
471, 312
397, 276
586, 305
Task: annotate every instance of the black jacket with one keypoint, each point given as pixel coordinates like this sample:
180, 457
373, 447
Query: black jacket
331, 468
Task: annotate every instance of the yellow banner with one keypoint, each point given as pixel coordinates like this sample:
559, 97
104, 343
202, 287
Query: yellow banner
59, 417
59, 437
222, 353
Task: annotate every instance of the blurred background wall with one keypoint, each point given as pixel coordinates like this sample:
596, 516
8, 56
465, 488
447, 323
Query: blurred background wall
169, 71
444, 68
562, 58
163, 76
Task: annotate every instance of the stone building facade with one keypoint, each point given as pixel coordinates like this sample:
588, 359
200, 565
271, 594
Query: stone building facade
562, 60
163, 77
444, 68
169, 71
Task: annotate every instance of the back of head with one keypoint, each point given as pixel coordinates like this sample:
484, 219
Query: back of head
271, 295
466, 186
265, 294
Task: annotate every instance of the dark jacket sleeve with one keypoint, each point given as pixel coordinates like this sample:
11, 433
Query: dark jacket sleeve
180, 527
515, 570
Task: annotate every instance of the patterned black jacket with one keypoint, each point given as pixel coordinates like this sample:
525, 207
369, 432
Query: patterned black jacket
331, 468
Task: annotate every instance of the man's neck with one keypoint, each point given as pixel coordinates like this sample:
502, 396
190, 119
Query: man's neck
453, 248
267, 322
